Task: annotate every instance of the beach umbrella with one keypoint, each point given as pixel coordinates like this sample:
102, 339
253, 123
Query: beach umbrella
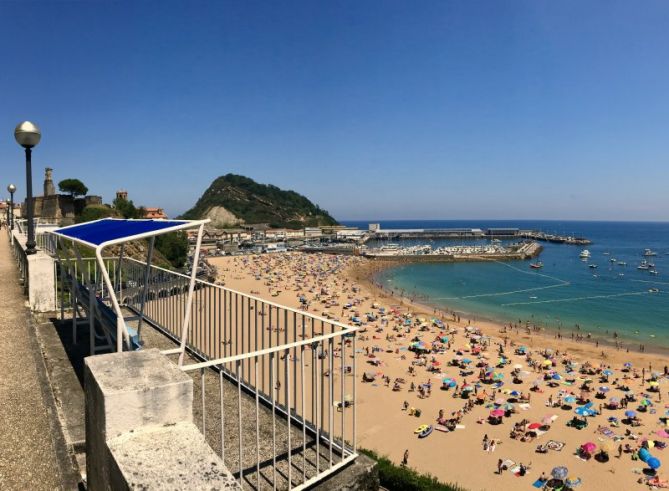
496, 413
466, 361
644, 455
653, 383
646, 402
508, 406
570, 399
518, 366
627, 364
589, 447
630, 414
560, 473
498, 376
654, 463
572, 483
608, 373
547, 363
534, 426
614, 400
548, 419
556, 376
584, 411
604, 389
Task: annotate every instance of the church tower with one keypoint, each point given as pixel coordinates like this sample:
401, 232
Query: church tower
49, 188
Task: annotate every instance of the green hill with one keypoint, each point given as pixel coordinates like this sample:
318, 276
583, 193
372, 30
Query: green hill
233, 200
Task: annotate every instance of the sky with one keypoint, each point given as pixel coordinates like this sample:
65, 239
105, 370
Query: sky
372, 109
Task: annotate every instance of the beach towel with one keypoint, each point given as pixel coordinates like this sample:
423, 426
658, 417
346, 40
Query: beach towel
555, 445
508, 463
515, 470
538, 483
607, 432
459, 427
524, 406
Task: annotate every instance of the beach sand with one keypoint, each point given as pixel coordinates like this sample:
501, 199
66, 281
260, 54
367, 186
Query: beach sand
458, 456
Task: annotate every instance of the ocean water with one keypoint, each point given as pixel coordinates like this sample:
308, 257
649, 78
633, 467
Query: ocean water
566, 292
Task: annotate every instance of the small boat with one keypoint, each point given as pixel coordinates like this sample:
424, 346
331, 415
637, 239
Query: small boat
584, 253
653, 290
653, 271
643, 265
537, 265
613, 259
592, 266
622, 263
421, 428
607, 253
426, 432
648, 252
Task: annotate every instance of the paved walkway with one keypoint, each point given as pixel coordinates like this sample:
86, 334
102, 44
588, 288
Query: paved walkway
27, 455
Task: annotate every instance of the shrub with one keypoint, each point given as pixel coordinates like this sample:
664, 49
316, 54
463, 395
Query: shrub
395, 477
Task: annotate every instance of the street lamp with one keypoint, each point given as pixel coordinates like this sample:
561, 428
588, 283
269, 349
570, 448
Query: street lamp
28, 135
10, 213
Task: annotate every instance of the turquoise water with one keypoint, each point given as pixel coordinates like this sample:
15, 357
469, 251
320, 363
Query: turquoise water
565, 292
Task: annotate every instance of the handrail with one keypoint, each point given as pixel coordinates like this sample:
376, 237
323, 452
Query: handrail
267, 351
252, 297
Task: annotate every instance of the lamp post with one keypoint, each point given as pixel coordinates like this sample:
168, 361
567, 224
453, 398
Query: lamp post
10, 213
28, 135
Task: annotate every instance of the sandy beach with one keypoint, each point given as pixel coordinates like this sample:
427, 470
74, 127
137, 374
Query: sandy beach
407, 350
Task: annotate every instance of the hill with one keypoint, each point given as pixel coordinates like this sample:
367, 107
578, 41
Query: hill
233, 200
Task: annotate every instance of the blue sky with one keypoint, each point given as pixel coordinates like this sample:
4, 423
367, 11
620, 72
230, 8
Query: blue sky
445, 109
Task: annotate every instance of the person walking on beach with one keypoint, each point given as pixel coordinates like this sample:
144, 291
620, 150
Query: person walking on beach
405, 459
499, 466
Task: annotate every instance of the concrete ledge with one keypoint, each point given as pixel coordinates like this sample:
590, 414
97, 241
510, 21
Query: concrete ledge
171, 457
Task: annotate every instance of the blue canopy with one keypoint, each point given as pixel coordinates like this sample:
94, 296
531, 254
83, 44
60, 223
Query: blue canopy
113, 229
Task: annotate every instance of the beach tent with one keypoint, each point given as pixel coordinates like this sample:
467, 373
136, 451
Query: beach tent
101, 234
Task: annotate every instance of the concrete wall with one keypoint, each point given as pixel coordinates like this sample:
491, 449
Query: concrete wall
139, 429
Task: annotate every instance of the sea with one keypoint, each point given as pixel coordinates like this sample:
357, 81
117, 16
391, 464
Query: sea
566, 294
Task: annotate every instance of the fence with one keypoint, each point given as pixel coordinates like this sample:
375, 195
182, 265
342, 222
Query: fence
17, 244
276, 395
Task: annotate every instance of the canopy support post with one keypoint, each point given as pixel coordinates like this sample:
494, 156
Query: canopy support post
121, 331
189, 300
145, 289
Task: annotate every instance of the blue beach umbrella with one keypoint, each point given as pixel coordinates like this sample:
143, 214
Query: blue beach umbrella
608, 373
630, 414
604, 389
570, 399
584, 411
644, 455
654, 463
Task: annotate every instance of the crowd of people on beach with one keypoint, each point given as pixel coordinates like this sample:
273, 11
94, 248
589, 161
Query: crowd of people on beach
491, 373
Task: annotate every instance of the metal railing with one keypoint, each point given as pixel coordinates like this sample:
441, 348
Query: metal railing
276, 394
17, 244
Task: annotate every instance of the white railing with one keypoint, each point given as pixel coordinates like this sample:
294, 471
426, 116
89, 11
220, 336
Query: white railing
276, 395
17, 245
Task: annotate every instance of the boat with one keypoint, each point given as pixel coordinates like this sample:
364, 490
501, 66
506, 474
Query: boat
622, 263
613, 259
653, 271
426, 432
643, 265
537, 265
648, 252
653, 290
593, 266
584, 253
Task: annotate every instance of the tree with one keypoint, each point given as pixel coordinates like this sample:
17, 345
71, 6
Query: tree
174, 247
95, 212
73, 186
126, 208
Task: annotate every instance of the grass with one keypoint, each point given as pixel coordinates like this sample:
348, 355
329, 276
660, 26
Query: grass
395, 477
